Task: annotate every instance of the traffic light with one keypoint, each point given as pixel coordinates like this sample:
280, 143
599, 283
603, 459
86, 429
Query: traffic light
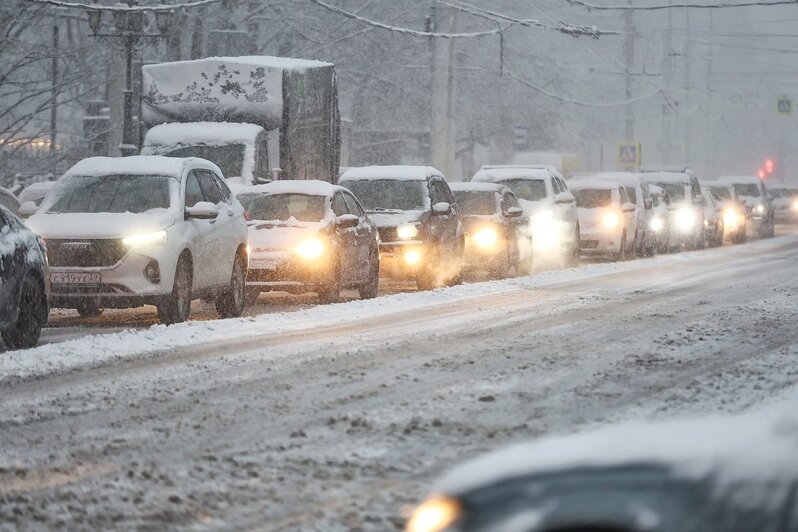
769, 166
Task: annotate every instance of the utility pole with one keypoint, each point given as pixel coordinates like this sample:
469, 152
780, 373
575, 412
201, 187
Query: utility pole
709, 141
629, 53
689, 85
666, 143
54, 98
442, 130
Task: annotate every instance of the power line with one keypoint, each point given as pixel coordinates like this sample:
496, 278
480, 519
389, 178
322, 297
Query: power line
138, 9
693, 5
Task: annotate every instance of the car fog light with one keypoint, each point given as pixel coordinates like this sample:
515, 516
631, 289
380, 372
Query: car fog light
153, 272
407, 231
412, 257
730, 219
435, 515
310, 249
486, 238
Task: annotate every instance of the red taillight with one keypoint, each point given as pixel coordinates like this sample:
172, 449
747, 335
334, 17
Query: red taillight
246, 216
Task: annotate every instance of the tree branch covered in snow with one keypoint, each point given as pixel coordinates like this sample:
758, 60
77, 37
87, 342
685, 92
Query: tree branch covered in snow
679, 5
123, 7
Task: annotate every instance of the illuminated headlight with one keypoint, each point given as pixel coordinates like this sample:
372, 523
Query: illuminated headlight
407, 231
543, 217
435, 515
795, 206
759, 209
730, 217
611, 220
486, 237
685, 219
656, 224
413, 257
310, 249
158, 238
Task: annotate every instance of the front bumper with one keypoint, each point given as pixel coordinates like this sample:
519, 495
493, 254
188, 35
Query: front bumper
597, 243
287, 272
403, 259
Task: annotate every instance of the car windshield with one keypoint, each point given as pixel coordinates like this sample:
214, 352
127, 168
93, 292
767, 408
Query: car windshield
675, 191
749, 189
389, 194
632, 193
592, 198
109, 193
229, 158
721, 192
475, 202
527, 189
283, 207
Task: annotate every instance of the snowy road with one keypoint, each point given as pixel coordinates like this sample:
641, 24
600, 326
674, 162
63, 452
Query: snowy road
334, 418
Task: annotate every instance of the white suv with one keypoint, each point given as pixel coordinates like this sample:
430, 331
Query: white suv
130, 231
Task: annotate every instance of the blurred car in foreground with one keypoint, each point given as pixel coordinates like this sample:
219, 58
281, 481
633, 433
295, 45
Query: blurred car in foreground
734, 219
309, 236
751, 193
34, 194
713, 218
497, 235
607, 216
421, 235
713, 474
659, 222
686, 207
549, 204
9, 201
130, 231
24, 283
785, 203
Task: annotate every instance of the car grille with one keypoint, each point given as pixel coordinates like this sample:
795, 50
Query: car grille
588, 244
388, 234
77, 253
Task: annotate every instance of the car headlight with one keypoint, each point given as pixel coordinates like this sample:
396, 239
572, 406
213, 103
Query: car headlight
407, 231
542, 217
413, 257
310, 249
730, 217
434, 515
611, 220
685, 218
486, 237
795, 206
759, 209
157, 238
656, 224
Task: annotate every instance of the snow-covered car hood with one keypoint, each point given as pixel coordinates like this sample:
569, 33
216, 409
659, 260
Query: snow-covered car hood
394, 218
265, 236
471, 221
533, 207
99, 225
590, 217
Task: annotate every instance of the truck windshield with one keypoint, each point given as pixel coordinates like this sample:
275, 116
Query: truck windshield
389, 194
282, 207
527, 189
229, 158
749, 190
592, 198
475, 202
721, 192
110, 193
674, 190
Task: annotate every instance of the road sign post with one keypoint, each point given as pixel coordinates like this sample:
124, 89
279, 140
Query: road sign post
630, 155
520, 137
784, 105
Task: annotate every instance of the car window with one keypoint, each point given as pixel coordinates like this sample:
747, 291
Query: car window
563, 186
210, 190
555, 186
339, 207
438, 193
193, 190
353, 205
625, 195
226, 194
509, 201
632, 194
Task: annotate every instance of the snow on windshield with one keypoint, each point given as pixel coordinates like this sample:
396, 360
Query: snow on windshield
109, 194
592, 198
478, 202
527, 189
747, 189
283, 207
675, 191
389, 194
721, 192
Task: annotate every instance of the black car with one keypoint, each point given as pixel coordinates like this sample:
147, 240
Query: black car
700, 475
24, 283
309, 236
498, 239
419, 223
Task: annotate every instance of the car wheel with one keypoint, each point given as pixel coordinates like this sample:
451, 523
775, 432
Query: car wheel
88, 309
621, 255
574, 254
176, 307
371, 287
426, 280
330, 292
230, 304
251, 296
26, 331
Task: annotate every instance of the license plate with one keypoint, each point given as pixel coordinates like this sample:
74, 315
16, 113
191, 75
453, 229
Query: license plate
75, 278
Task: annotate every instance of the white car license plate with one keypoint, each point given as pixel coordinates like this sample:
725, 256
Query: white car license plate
75, 278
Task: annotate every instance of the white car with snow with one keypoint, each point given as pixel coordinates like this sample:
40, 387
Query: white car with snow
752, 194
607, 216
547, 201
686, 207
125, 232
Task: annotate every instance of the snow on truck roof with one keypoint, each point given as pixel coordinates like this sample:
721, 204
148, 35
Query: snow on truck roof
712, 448
268, 61
209, 133
406, 173
136, 165
493, 175
311, 187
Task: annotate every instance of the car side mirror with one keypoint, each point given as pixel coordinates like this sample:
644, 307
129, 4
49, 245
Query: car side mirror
514, 212
28, 209
564, 197
442, 208
347, 221
203, 210
276, 173
649, 203
628, 207
260, 180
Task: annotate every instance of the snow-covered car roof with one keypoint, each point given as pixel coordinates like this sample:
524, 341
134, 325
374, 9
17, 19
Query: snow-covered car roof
35, 191
471, 186
407, 173
9, 200
209, 133
624, 178
137, 165
547, 167
716, 449
740, 180
497, 175
593, 183
665, 177
311, 187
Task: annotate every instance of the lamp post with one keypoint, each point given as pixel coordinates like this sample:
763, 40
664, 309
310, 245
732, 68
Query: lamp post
129, 26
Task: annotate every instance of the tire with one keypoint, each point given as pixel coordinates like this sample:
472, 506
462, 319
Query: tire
251, 296
575, 253
176, 307
230, 304
26, 331
371, 287
331, 291
425, 280
621, 255
88, 309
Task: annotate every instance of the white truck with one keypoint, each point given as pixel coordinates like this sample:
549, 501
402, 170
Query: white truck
258, 118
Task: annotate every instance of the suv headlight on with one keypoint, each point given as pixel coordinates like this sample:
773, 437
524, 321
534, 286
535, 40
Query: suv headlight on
140, 240
311, 249
611, 220
486, 237
656, 224
407, 231
759, 209
434, 515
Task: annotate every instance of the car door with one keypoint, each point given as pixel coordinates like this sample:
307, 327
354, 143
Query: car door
222, 231
565, 201
9, 276
445, 224
200, 233
630, 216
364, 234
348, 241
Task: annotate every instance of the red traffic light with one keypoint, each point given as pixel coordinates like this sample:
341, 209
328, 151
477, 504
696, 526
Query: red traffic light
761, 174
769, 166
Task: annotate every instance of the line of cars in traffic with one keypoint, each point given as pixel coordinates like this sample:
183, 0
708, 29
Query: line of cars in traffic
164, 231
